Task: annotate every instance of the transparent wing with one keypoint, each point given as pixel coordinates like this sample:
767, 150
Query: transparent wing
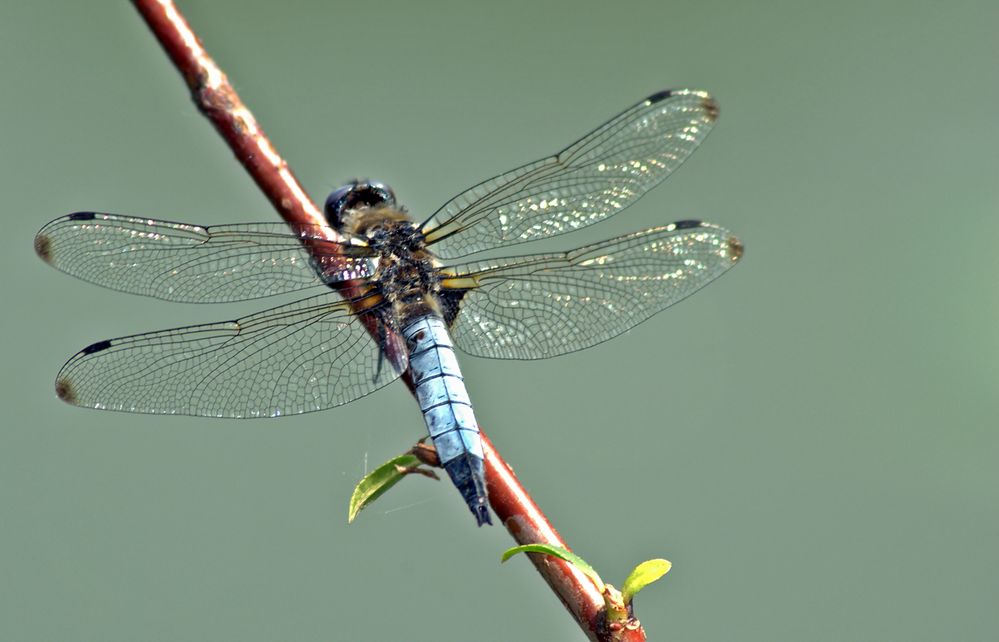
305, 356
595, 177
190, 263
539, 306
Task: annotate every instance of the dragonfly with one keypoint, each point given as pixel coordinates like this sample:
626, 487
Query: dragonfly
388, 296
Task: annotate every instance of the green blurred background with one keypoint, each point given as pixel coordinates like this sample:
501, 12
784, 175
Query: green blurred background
812, 440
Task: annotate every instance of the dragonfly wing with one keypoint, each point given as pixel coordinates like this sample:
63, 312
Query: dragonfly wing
304, 356
599, 175
190, 263
533, 307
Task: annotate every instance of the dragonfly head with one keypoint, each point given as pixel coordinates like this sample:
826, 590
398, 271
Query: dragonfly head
356, 194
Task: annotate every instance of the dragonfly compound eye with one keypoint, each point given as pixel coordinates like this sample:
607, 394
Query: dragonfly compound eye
356, 195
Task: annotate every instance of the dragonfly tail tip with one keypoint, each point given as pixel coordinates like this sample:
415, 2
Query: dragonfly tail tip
482, 515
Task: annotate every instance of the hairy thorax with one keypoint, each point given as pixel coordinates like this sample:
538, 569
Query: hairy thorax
406, 273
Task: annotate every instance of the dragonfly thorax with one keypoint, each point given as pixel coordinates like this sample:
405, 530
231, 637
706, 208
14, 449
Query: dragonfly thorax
405, 270
396, 237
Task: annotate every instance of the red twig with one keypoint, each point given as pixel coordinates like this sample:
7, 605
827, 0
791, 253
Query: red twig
218, 101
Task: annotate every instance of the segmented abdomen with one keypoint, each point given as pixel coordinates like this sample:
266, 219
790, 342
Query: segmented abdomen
447, 410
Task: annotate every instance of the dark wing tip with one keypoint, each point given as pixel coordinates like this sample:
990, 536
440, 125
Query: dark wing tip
735, 248
711, 109
659, 96
708, 104
43, 246
96, 347
732, 247
43, 240
65, 391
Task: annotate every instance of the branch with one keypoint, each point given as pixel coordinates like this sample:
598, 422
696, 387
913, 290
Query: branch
216, 99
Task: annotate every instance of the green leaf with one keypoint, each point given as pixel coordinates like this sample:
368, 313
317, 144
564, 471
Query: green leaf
644, 574
379, 480
561, 553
